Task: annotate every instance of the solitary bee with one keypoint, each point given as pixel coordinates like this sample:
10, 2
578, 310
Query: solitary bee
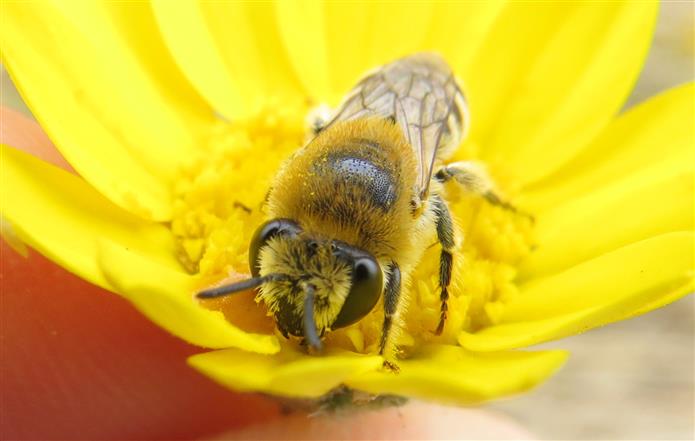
352, 211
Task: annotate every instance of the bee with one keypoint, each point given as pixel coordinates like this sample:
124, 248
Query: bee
352, 211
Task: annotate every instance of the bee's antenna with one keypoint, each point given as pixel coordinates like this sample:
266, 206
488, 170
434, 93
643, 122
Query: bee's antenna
243, 285
310, 333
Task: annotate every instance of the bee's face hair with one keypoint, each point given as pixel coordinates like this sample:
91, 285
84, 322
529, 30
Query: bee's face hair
309, 285
312, 269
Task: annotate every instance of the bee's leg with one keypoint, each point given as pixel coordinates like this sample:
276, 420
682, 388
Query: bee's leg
240, 205
264, 203
392, 295
318, 118
473, 176
445, 234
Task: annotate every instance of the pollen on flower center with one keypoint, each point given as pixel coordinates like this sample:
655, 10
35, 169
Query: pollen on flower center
218, 206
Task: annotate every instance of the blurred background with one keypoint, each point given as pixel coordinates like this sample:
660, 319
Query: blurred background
631, 380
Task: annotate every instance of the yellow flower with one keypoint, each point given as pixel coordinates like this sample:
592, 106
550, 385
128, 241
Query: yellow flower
176, 115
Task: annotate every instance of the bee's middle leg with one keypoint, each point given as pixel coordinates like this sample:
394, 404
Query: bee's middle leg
445, 234
392, 295
472, 175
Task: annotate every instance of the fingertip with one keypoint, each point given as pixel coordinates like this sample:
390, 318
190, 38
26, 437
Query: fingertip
415, 420
23, 133
79, 362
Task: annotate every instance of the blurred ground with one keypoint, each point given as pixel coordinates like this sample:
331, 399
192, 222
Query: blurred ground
631, 380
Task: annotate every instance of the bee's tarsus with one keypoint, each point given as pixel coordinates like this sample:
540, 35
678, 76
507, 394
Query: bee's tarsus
240, 205
440, 326
494, 199
391, 366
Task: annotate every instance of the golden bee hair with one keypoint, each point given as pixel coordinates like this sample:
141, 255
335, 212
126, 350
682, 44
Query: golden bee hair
347, 211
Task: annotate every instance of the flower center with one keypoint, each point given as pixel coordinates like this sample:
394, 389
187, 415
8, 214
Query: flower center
218, 207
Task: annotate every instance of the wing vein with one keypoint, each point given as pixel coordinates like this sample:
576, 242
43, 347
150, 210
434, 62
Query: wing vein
421, 95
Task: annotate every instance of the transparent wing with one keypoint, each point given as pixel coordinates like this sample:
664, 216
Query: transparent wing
421, 94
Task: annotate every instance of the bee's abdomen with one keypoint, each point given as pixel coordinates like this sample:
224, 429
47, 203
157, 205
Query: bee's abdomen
361, 174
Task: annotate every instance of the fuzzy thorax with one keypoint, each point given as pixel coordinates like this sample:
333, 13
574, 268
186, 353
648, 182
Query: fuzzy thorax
316, 265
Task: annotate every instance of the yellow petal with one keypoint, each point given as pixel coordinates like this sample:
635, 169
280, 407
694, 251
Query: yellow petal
459, 29
450, 374
101, 84
614, 286
657, 200
645, 268
166, 296
658, 130
333, 44
550, 76
231, 52
65, 219
60, 215
288, 373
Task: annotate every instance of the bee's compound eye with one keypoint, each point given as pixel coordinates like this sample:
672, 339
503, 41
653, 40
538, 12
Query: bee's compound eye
364, 292
272, 228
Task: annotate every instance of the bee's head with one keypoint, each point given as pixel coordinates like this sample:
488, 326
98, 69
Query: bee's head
310, 284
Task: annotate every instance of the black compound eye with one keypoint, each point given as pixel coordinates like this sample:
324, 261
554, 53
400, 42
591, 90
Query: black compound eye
364, 292
272, 228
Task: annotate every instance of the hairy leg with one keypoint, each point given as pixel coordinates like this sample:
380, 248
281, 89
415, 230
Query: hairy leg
445, 234
392, 294
473, 176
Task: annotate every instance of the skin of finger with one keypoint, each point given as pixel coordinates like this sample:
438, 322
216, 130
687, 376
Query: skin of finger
18, 131
415, 421
78, 361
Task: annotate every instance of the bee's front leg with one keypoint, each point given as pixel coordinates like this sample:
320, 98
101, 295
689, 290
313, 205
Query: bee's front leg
445, 234
473, 176
392, 295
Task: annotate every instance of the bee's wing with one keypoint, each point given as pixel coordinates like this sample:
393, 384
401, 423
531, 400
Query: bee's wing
421, 94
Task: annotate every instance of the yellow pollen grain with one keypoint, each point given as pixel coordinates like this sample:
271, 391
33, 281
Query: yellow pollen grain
218, 207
